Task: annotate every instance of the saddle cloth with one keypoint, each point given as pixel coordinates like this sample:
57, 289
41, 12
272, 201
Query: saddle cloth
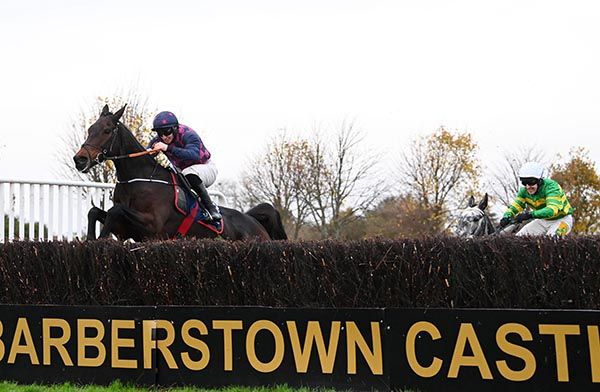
187, 204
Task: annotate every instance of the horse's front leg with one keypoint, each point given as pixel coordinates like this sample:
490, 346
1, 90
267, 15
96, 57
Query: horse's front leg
125, 223
95, 214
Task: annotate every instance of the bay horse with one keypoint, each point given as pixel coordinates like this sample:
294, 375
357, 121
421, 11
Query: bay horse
144, 195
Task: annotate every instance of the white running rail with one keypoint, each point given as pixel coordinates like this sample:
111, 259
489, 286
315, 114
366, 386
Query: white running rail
53, 210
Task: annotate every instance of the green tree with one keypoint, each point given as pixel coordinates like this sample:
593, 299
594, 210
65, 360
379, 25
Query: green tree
437, 171
580, 181
137, 118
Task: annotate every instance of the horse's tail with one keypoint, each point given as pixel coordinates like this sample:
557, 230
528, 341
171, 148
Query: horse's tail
270, 219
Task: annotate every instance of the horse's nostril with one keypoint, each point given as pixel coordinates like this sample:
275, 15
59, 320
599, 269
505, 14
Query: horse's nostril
80, 161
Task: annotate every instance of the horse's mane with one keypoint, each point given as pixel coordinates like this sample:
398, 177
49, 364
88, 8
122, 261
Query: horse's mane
122, 125
131, 136
132, 144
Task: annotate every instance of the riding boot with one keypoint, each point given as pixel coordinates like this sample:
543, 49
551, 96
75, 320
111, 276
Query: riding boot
200, 189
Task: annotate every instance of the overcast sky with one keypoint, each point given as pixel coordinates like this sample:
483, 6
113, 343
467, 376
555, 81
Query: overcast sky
513, 73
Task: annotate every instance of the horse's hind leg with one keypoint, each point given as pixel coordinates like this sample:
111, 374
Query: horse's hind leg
95, 214
270, 219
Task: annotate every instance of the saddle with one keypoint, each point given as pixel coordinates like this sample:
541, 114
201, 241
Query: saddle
187, 204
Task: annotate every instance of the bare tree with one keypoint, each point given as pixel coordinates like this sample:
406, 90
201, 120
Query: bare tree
505, 177
278, 176
438, 170
342, 181
137, 118
234, 193
314, 185
315, 192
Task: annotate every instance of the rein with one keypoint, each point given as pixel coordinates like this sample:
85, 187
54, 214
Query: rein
101, 157
132, 155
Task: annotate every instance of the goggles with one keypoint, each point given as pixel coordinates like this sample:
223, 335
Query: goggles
164, 131
529, 181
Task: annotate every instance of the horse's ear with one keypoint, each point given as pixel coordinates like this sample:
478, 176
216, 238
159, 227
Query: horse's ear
119, 113
483, 203
105, 110
471, 201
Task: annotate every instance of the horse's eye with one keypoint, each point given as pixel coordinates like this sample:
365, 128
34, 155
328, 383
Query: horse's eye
107, 131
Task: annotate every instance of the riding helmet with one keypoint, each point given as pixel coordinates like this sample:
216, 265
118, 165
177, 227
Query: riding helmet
164, 120
532, 170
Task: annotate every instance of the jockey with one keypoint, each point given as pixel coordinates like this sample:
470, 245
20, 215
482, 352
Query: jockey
184, 148
549, 208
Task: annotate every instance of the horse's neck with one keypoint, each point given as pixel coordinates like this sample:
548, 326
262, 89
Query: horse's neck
140, 167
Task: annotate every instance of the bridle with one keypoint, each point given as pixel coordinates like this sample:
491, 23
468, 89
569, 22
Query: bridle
102, 155
480, 228
104, 151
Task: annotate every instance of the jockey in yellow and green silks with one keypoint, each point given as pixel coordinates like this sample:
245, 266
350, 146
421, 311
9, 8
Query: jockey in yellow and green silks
549, 208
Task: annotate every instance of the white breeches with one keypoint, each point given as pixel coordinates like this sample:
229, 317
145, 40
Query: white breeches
207, 172
559, 227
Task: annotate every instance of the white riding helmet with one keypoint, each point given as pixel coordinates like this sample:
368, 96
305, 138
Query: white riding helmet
531, 170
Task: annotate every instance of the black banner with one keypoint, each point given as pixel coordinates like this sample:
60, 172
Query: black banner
54, 344
493, 350
364, 349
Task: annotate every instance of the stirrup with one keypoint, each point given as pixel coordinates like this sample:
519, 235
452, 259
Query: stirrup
207, 209
218, 213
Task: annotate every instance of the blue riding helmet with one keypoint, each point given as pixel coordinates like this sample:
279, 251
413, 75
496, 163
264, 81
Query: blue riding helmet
164, 120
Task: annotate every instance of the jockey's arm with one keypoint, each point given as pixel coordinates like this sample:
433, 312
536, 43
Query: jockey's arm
191, 149
516, 207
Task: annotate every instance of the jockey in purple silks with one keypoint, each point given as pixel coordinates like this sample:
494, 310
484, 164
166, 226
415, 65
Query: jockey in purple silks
184, 148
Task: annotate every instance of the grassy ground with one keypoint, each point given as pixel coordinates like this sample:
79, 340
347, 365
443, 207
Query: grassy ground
118, 387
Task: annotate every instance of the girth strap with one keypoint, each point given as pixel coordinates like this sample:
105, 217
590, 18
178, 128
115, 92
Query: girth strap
188, 221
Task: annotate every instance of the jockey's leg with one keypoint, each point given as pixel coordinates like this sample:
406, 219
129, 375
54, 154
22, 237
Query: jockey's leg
561, 227
202, 193
535, 227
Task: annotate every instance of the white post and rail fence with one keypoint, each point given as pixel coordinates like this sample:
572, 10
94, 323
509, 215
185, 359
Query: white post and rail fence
53, 210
